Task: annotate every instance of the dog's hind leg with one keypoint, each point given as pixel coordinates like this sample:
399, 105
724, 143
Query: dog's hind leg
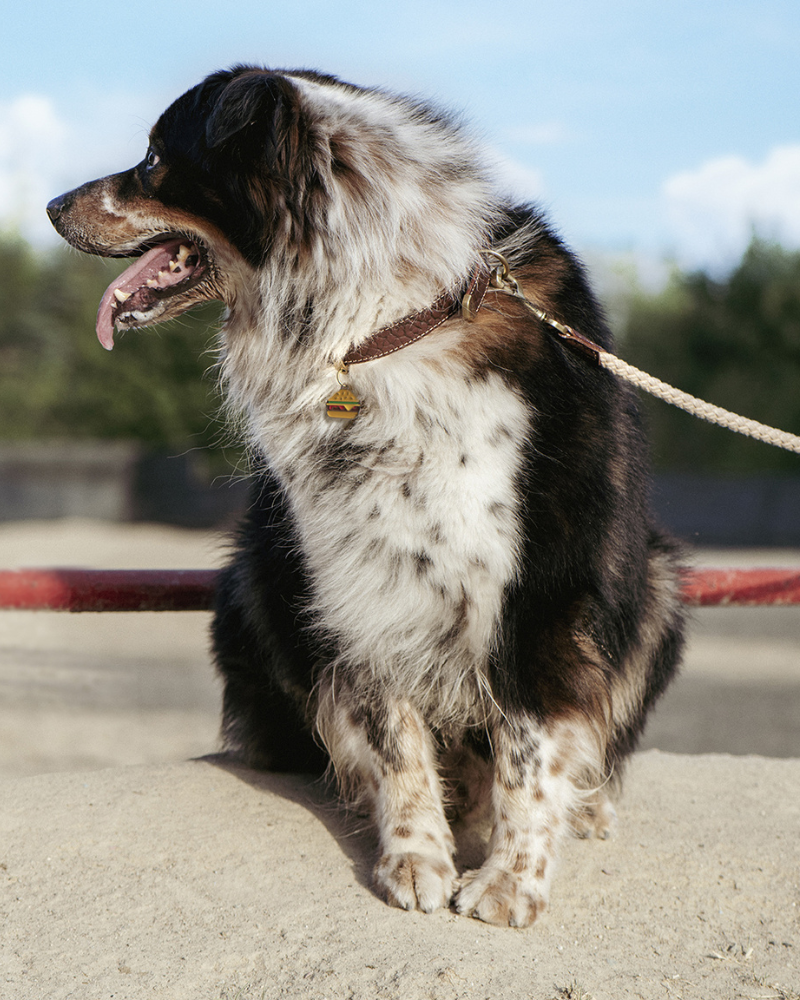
388, 752
263, 715
595, 816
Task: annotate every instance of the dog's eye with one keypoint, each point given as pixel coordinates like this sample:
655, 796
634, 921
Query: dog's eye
152, 159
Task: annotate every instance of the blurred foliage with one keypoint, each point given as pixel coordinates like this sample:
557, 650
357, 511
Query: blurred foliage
734, 342
56, 381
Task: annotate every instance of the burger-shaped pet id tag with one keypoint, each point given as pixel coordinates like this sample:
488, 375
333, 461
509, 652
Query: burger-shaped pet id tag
343, 405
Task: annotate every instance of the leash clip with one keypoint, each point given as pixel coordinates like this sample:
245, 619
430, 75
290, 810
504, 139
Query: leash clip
502, 280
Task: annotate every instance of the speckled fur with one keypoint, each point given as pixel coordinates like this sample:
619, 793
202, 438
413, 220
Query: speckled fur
467, 571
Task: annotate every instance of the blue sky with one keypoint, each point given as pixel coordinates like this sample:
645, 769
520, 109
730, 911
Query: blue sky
645, 129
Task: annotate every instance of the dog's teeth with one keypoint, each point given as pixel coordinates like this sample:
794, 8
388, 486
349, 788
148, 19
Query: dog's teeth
183, 253
152, 283
174, 266
121, 296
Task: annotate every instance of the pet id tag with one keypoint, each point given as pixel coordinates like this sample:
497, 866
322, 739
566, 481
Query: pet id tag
343, 405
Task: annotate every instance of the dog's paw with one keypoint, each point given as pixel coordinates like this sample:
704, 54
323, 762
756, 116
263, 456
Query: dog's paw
416, 881
499, 897
596, 817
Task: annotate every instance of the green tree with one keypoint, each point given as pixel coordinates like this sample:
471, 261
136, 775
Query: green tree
56, 380
734, 342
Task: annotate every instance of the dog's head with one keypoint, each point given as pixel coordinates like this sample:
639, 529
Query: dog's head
205, 196
294, 168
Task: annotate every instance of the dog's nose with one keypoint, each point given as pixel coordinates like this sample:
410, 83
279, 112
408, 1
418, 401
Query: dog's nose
56, 207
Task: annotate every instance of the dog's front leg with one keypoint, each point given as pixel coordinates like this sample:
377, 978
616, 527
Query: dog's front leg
533, 795
390, 750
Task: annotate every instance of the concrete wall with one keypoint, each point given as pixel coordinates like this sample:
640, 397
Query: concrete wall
706, 510
120, 481
111, 481
67, 479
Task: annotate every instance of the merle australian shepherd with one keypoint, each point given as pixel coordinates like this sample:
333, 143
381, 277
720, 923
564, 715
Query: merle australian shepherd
447, 578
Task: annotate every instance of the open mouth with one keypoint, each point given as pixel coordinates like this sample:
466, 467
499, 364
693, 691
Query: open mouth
141, 294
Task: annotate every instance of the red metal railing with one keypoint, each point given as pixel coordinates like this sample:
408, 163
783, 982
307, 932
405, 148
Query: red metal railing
107, 590
705, 587
192, 589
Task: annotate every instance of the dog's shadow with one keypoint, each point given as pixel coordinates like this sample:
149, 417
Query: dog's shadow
354, 832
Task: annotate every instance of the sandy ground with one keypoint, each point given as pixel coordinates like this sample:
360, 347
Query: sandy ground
193, 879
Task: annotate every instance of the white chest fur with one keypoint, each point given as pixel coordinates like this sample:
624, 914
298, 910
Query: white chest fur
407, 519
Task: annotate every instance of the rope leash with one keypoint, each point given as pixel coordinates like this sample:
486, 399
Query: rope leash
503, 281
698, 407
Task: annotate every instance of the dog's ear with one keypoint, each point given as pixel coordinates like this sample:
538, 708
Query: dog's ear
253, 108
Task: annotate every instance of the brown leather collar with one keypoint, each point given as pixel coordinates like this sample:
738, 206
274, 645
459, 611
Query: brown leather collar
412, 328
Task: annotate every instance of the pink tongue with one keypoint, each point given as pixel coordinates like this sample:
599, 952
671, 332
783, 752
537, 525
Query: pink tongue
133, 279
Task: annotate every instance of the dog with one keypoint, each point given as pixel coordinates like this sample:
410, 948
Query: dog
447, 584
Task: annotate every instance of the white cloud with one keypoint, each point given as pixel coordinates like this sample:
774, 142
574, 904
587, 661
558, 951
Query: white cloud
541, 134
514, 178
32, 141
43, 153
713, 210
